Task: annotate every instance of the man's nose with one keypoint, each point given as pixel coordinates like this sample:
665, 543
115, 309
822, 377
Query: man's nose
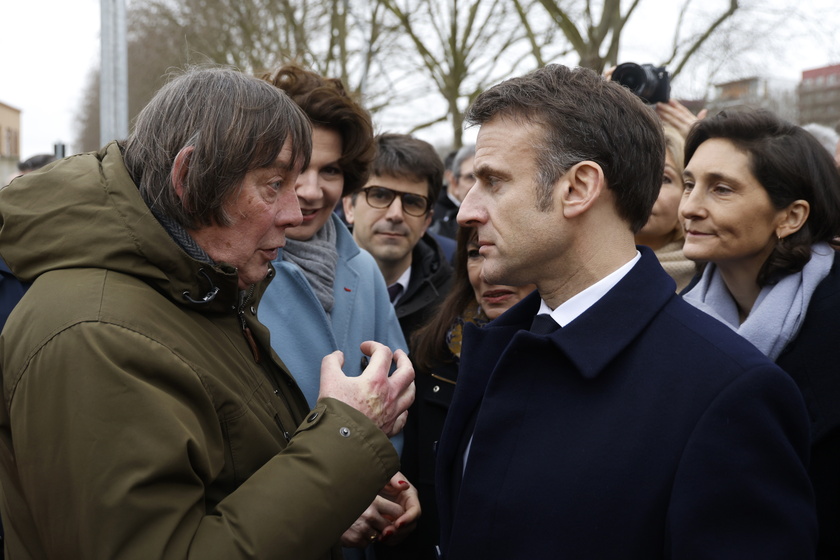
469, 214
395, 210
287, 211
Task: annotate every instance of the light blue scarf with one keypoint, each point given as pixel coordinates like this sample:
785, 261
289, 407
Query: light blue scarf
779, 310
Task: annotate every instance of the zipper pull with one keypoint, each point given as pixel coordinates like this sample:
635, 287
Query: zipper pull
249, 338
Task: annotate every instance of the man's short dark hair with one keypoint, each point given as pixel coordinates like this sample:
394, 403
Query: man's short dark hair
407, 157
584, 118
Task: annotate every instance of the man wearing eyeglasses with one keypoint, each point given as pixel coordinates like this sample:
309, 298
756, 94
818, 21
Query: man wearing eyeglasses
390, 216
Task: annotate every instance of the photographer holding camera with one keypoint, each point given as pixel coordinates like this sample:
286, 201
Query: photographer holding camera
653, 85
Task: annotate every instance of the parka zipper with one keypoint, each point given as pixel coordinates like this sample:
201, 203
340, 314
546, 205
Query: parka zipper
246, 330
255, 350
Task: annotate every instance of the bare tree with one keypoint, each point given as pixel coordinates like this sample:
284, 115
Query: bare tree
594, 30
462, 46
351, 40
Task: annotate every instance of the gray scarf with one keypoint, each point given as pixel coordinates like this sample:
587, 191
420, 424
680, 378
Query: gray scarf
779, 310
317, 257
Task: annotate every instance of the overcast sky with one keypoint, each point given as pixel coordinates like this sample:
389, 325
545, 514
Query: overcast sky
50, 46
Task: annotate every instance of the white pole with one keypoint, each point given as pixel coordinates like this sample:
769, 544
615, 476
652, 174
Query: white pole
113, 86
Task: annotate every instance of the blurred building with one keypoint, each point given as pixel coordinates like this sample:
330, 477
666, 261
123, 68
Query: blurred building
9, 141
819, 96
776, 94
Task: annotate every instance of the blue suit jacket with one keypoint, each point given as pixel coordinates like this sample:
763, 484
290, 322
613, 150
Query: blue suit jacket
644, 429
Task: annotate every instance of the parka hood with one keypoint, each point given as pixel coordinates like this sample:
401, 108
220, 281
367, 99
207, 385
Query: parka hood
86, 212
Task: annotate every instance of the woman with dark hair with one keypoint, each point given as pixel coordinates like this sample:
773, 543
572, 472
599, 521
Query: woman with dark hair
761, 207
436, 351
329, 294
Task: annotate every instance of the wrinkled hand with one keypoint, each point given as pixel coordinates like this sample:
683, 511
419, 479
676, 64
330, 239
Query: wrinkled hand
389, 519
678, 116
383, 399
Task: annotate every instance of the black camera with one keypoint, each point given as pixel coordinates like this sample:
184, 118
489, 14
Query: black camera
649, 82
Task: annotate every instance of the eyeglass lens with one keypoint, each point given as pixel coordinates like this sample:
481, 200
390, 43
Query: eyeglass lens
381, 197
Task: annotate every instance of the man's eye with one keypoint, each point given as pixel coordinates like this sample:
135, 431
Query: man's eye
414, 202
379, 194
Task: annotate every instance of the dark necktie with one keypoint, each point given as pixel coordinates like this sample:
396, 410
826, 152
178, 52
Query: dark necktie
544, 324
394, 290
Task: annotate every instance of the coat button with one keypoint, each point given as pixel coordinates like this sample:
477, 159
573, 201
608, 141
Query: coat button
436, 388
312, 417
345, 432
253, 310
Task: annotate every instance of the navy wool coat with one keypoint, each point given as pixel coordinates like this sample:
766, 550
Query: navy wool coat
644, 429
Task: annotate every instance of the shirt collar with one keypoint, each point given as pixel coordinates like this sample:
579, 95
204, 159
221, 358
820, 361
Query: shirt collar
575, 306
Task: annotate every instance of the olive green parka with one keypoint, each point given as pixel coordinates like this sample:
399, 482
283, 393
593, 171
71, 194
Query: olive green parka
144, 414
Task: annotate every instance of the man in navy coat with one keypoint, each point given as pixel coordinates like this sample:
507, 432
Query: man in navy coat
625, 425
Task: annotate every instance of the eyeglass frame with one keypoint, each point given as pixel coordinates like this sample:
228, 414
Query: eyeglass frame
394, 194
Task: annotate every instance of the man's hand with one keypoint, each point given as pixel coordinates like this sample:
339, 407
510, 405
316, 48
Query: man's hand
390, 518
383, 399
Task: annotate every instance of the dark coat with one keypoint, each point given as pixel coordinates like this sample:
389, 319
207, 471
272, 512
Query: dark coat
813, 360
422, 432
11, 290
431, 279
644, 429
444, 220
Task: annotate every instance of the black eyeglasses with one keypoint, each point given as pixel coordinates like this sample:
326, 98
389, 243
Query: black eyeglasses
382, 197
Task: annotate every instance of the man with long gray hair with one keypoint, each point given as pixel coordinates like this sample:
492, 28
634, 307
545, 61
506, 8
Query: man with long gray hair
144, 413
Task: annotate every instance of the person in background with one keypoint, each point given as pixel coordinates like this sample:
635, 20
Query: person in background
446, 205
390, 217
663, 231
436, 354
460, 181
328, 293
826, 136
762, 208
144, 413
31, 164
602, 416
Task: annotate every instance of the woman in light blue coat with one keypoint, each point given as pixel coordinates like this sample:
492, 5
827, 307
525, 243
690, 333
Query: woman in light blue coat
328, 293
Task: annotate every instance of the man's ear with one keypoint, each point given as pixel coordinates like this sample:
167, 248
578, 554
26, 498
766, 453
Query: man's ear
428, 220
347, 204
793, 218
180, 167
581, 186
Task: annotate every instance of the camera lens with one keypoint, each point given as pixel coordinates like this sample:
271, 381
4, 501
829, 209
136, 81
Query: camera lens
641, 80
